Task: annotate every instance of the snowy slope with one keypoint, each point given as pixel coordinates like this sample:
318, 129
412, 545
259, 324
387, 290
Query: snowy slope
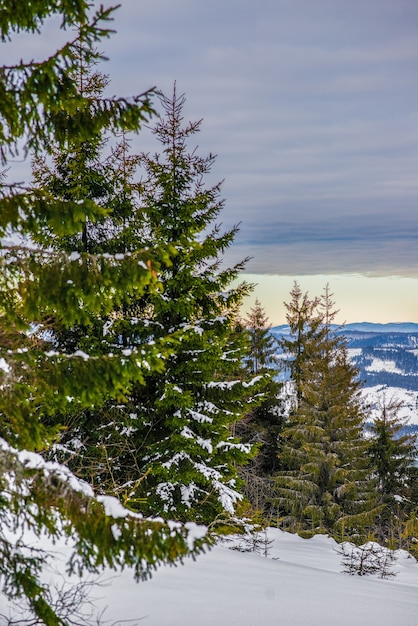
299, 584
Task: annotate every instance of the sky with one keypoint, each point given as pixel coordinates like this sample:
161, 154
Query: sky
311, 107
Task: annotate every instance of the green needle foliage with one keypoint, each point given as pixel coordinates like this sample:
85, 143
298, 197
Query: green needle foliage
189, 455
264, 422
164, 445
326, 484
168, 448
393, 457
182, 431
44, 287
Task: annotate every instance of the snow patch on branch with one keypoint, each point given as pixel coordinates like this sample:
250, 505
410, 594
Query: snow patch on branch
4, 366
32, 460
194, 533
230, 445
201, 418
113, 508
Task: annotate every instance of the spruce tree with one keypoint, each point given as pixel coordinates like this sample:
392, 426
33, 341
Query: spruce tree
393, 457
263, 423
266, 419
304, 323
184, 443
263, 344
326, 485
167, 447
41, 105
93, 440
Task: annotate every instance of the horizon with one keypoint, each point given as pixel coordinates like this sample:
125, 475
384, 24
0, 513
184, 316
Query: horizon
365, 323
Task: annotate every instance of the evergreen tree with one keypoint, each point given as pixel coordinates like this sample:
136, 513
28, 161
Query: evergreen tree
93, 441
266, 419
167, 447
263, 344
263, 423
304, 323
326, 485
393, 457
40, 103
184, 442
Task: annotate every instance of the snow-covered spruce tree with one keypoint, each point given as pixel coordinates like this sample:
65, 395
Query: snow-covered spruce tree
326, 486
184, 414
40, 105
186, 456
393, 457
263, 423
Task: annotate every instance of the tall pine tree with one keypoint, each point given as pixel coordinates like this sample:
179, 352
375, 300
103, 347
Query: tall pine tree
326, 485
185, 447
264, 422
393, 457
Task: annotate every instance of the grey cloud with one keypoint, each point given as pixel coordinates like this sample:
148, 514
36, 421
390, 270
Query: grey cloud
312, 109
306, 258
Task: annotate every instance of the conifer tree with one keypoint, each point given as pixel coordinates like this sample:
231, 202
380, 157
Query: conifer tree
304, 323
167, 447
185, 448
262, 343
93, 440
326, 485
41, 105
262, 425
393, 457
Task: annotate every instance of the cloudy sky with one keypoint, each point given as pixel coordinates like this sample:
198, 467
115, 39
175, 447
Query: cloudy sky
312, 109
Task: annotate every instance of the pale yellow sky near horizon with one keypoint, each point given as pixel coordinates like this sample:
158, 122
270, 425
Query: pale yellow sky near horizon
358, 298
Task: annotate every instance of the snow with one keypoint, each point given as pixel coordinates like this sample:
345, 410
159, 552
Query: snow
114, 508
81, 354
299, 584
199, 417
374, 397
379, 365
4, 366
194, 533
352, 352
224, 384
32, 460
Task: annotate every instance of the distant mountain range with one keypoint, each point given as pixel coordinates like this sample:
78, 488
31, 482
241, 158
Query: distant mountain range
362, 327
385, 354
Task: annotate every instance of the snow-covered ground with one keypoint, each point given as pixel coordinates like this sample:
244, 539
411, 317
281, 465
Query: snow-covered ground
380, 365
299, 583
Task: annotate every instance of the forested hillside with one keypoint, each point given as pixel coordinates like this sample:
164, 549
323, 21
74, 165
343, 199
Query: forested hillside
384, 355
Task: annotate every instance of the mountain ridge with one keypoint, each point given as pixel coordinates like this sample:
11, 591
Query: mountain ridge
366, 327
385, 355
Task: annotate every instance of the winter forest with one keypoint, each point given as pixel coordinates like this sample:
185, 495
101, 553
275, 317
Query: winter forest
141, 412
